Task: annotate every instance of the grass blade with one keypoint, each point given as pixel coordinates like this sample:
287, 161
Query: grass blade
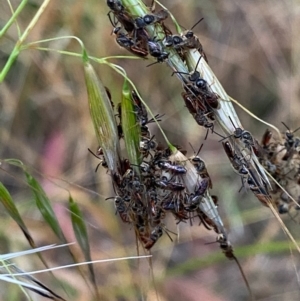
81, 234
12, 210
44, 206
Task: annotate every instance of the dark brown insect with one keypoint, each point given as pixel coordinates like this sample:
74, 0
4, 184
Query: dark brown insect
155, 50
129, 44
166, 184
237, 163
243, 135
200, 166
120, 15
170, 167
193, 200
187, 40
291, 143
150, 19
198, 110
121, 208
154, 237
266, 138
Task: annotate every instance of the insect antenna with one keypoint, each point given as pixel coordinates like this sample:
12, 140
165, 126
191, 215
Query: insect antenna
157, 118
198, 60
290, 129
196, 23
199, 150
153, 64
223, 137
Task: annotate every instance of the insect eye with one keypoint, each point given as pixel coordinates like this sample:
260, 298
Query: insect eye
247, 136
201, 83
189, 34
177, 40
148, 19
139, 22
169, 41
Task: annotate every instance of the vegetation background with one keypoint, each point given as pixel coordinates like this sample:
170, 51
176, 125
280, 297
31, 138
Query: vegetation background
252, 46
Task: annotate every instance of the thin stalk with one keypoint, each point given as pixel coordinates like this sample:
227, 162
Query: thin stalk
13, 18
16, 51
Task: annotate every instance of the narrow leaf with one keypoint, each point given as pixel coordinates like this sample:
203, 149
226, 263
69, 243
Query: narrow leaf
81, 234
44, 205
79, 228
12, 210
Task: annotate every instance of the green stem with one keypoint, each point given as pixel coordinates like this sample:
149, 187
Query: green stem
13, 18
14, 54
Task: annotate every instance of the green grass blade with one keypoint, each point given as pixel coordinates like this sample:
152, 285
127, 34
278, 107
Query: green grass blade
44, 206
81, 234
131, 129
12, 210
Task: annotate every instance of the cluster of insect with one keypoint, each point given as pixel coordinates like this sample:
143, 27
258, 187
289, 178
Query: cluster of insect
162, 184
168, 183
131, 34
282, 161
279, 159
200, 100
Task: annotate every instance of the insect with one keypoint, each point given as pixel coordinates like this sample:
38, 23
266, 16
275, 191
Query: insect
243, 135
199, 88
115, 5
139, 108
265, 141
237, 163
120, 15
136, 186
129, 44
211, 98
168, 166
138, 208
121, 208
166, 184
198, 110
154, 237
155, 49
142, 230
200, 166
260, 192
147, 145
291, 144
187, 40
150, 19
158, 217
193, 200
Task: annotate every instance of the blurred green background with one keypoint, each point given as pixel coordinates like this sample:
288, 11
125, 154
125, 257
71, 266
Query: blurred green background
253, 48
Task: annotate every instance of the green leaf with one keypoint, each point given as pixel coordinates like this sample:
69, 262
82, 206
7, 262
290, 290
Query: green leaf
81, 234
79, 228
44, 206
12, 210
